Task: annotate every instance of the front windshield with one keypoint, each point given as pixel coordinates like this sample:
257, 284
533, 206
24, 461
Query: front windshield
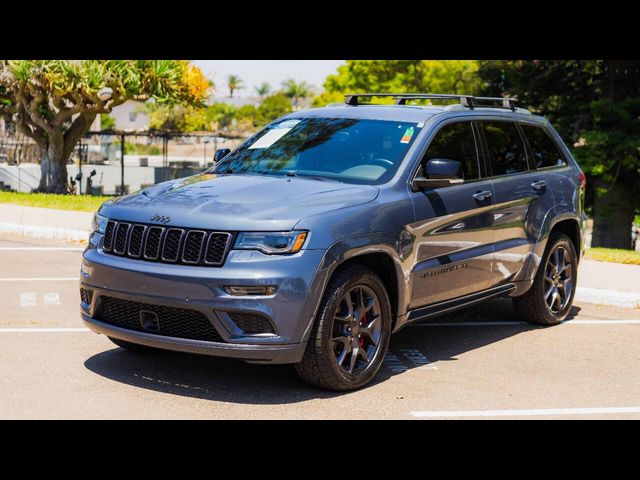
343, 149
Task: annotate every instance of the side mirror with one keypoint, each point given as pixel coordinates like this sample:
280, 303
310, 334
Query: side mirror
440, 172
220, 154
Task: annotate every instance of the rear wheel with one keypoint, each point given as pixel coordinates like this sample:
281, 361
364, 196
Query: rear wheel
132, 347
549, 300
351, 333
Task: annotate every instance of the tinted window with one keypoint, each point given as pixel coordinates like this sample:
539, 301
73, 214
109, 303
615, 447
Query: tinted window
454, 142
504, 148
544, 150
344, 149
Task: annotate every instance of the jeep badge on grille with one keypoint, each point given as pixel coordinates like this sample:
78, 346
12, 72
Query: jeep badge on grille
161, 219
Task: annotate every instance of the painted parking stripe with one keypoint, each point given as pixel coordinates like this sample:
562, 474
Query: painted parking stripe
39, 249
41, 279
535, 412
43, 330
520, 323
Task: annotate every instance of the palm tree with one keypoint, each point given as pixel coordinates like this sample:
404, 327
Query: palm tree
234, 83
296, 91
263, 89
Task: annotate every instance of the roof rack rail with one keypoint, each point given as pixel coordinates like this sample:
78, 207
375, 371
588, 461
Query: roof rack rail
468, 101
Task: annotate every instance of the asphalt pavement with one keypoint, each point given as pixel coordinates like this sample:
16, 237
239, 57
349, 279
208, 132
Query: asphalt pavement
482, 363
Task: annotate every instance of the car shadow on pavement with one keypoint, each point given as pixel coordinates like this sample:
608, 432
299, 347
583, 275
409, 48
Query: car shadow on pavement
227, 380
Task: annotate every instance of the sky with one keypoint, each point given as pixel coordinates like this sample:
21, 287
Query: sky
254, 72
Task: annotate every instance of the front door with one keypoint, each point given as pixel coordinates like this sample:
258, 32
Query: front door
453, 228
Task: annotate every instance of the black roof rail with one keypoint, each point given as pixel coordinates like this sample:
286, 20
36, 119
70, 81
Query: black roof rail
468, 101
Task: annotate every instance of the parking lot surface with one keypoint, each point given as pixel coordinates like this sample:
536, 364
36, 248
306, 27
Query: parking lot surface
482, 362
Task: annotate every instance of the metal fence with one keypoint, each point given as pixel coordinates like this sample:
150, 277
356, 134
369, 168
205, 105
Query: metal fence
112, 163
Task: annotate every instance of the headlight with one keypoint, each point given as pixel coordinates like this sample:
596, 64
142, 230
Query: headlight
99, 223
272, 242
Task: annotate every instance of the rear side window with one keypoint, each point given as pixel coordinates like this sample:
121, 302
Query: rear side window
455, 142
544, 151
505, 150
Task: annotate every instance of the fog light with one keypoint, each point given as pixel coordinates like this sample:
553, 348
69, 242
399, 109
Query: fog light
251, 290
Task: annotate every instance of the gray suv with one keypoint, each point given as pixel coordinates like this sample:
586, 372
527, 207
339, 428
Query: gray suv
331, 228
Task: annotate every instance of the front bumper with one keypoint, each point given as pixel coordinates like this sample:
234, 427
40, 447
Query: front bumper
299, 278
250, 353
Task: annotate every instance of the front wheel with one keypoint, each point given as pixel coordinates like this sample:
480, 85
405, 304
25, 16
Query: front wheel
549, 299
351, 333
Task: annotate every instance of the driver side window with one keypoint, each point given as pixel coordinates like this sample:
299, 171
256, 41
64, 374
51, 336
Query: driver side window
454, 142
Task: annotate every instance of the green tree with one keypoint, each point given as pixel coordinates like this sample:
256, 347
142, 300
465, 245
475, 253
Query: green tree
177, 118
406, 76
272, 107
56, 101
296, 91
595, 106
234, 83
107, 122
263, 89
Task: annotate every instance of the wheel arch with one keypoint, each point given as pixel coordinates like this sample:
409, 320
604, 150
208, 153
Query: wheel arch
383, 260
561, 218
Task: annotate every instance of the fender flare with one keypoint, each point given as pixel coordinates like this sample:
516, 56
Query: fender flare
352, 247
556, 214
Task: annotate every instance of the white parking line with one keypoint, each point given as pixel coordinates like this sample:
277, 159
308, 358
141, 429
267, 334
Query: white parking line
520, 323
41, 279
36, 249
43, 330
535, 412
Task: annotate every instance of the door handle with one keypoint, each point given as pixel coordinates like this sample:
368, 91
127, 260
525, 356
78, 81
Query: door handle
482, 195
539, 185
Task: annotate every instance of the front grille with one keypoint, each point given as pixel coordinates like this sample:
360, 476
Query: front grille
166, 244
172, 321
251, 322
86, 295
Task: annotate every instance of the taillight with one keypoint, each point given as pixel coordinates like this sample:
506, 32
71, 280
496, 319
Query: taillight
583, 179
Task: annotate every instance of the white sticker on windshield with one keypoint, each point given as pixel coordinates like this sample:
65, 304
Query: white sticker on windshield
269, 138
288, 124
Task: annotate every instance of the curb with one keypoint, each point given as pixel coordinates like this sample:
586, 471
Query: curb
44, 232
613, 298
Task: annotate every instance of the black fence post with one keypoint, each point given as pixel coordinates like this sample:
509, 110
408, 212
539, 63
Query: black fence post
121, 164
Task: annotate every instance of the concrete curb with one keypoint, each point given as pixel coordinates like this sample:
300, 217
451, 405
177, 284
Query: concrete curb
35, 222
38, 231
613, 298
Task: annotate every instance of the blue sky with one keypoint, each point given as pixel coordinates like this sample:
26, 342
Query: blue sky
254, 72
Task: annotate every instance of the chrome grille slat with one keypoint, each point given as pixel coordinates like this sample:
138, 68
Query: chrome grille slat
108, 235
171, 245
216, 251
136, 241
193, 242
152, 243
121, 238
166, 244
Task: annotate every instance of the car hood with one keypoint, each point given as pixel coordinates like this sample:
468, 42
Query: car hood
237, 201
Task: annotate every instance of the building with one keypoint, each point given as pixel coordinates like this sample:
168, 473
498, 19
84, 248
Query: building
130, 116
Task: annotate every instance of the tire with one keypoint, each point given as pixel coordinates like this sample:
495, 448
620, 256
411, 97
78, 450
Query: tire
320, 365
534, 306
133, 347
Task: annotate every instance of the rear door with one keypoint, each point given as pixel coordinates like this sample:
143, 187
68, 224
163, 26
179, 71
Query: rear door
522, 198
453, 228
